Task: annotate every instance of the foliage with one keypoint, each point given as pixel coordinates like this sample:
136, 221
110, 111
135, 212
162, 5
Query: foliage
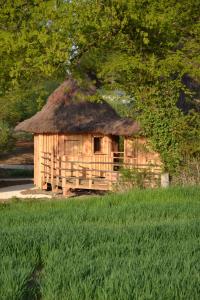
24, 100
145, 48
30, 57
32, 41
142, 244
121, 102
188, 173
6, 137
134, 177
169, 128
24, 136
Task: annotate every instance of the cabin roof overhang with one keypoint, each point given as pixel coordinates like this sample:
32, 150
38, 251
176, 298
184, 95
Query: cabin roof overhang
68, 110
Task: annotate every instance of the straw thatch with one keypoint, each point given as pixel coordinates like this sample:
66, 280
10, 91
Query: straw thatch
68, 110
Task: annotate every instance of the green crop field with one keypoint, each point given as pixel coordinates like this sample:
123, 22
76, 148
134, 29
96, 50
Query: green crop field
138, 245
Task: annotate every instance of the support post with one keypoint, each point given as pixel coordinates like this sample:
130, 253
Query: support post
63, 166
165, 180
90, 182
52, 171
76, 176
65, 186
58, 172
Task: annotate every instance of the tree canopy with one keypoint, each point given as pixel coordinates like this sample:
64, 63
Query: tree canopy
150, 49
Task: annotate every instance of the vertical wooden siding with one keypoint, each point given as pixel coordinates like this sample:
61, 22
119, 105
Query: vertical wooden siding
78, 151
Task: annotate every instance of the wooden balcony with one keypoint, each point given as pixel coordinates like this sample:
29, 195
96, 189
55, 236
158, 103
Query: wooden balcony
98, 172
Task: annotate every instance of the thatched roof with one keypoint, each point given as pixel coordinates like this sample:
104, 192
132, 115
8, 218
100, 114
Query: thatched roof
68, 110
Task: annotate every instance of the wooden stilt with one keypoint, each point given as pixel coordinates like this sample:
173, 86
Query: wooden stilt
44, 187
90, 183
52, 172
66, 190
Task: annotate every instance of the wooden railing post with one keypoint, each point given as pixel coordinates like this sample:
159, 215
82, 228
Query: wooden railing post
45, 171
52, 171
164, 180
63, 172
48, 168
41, 166
110, 174
58, 172
76, 176
65, 186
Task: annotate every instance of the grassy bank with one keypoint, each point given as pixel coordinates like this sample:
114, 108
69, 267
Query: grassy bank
140, 245
15, 173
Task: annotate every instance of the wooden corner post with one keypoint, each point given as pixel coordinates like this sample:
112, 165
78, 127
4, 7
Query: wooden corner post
65, 186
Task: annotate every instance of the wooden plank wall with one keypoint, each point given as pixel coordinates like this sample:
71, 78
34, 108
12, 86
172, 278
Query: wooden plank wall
80, 148
43, 143
79, 144
76, 147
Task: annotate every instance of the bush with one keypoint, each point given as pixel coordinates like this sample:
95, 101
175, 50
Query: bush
23, 136
136, 178
6, 137
188, 173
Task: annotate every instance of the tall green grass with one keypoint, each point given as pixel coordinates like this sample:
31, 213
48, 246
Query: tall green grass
138, 245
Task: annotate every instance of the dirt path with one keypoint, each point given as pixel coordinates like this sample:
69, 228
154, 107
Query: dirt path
16, 167
21, 155
16, 179
17, 191
6, 182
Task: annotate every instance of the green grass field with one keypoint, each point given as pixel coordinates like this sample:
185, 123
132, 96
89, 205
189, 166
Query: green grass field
139, 245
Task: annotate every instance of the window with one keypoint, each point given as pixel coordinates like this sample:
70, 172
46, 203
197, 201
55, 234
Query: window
97, 144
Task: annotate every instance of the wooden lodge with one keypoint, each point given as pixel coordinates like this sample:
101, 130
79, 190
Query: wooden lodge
83, 144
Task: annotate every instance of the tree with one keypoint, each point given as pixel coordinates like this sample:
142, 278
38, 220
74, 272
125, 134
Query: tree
22, 101
6, 138
145, 48
34, 42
